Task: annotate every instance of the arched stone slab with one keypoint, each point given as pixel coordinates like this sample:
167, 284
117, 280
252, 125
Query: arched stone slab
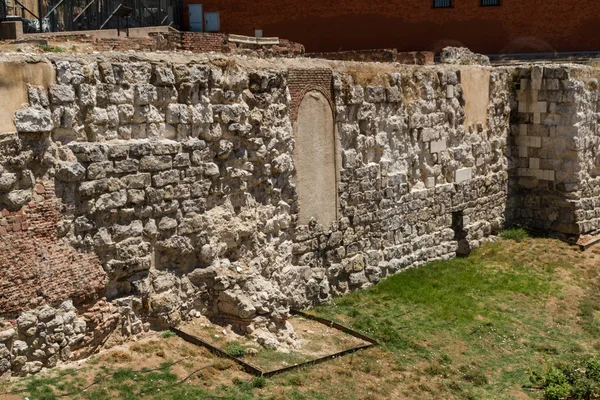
315, 160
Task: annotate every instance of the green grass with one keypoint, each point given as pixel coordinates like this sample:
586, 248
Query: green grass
486, 310
51, 49
517, 234
235, 349
167, 334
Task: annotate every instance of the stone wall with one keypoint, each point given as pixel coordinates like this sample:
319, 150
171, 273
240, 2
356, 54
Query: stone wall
555, 150
173, 184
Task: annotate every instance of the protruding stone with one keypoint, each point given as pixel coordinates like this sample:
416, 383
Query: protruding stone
70, 172
33, 119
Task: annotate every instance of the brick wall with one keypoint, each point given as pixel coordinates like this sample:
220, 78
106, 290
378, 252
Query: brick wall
36, 266
302, 81
198, 42
516, 26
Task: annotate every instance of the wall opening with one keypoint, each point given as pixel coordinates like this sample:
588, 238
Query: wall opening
315, 160
463, 248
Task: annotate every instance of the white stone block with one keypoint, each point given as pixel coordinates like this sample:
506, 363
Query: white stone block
462, 175
430, 182
538, 107
437, 146
450, 91
534, 163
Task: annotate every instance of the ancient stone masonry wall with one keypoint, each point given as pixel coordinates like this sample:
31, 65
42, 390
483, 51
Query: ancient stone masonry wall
171, 186
555, 146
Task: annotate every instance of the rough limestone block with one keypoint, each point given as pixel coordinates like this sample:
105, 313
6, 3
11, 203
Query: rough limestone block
375, 94
145, 94
32, 119
163, 75
62, 94
463, 175
430, 182
437, 146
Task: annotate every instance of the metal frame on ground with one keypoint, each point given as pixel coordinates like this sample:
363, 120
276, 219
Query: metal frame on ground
254, 370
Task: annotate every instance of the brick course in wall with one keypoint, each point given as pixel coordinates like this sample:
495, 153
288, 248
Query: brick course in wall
38, 267
302, 81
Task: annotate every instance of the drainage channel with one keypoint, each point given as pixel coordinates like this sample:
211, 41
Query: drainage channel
254, 370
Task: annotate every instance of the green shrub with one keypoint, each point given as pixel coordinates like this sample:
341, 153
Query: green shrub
167, 334
578, 380
557, 392
235, 349
259, 382
517, 234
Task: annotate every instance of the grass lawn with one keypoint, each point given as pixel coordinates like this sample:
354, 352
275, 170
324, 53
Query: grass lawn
471, 328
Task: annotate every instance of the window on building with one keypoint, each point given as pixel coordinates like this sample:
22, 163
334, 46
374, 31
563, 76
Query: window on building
442, 3
485, 3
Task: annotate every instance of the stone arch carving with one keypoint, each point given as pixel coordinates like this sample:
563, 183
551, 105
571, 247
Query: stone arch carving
316, 161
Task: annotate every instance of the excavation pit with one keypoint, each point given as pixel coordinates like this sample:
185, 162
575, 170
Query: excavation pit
320, 340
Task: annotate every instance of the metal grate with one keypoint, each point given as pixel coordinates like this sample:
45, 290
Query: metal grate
442, 3
485, 3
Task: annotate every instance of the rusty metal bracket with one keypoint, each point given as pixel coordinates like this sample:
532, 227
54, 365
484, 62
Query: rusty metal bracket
254, 370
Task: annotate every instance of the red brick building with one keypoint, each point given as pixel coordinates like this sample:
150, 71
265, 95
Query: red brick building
513, 26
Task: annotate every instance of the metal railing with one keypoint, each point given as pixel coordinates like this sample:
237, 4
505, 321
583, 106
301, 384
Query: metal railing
82, 15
